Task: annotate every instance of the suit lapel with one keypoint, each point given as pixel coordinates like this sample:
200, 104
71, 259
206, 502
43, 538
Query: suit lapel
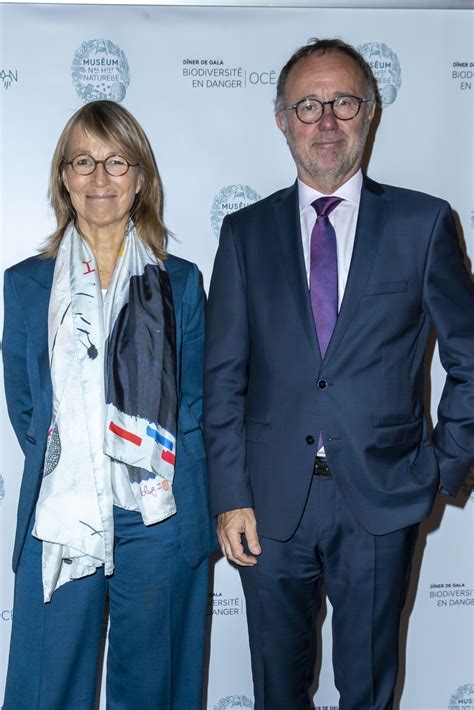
178, 277
43, 272
35, 301
286, 211
369, 230
34, 296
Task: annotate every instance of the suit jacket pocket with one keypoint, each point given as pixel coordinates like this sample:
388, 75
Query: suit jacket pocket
375, 289
399, 434
259, 432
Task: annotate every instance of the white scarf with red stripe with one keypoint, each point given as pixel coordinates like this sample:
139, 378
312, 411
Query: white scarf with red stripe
96, 455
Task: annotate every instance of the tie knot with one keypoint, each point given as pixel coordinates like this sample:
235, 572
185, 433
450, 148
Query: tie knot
325, 205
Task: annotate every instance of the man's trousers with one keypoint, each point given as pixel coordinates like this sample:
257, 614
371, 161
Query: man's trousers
366, 579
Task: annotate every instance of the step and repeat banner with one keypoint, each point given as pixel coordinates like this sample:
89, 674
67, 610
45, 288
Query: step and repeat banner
201, 81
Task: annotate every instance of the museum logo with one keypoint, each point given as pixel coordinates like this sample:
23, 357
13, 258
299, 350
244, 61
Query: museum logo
234, 701
100, 71
2, 488
230, 199
463, 697
386, 68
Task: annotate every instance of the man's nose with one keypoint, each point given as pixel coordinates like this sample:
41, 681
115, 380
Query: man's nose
328, 121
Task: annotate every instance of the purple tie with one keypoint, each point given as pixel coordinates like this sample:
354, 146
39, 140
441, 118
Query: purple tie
323, 271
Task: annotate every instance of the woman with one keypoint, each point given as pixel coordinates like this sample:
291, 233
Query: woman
102, 352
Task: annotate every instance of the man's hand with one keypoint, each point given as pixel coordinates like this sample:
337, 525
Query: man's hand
230, 528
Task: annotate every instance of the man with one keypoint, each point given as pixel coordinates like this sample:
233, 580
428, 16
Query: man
321, 302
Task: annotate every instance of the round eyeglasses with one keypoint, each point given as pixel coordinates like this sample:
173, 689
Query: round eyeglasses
114, 165
344, 108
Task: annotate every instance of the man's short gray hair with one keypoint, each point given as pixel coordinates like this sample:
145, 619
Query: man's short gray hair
322, 46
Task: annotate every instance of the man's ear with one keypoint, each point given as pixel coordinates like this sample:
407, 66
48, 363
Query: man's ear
281, 121
373, 108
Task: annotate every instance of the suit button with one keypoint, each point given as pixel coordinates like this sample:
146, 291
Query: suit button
322, 384
310, 440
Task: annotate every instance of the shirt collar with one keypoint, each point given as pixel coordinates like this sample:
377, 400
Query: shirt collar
349, 191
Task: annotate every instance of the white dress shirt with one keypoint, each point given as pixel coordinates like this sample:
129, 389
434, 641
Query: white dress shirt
344, 220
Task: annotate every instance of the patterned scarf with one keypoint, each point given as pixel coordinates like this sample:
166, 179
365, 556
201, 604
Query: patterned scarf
112, 438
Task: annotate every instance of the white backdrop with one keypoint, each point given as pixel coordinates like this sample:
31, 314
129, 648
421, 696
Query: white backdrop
222, 65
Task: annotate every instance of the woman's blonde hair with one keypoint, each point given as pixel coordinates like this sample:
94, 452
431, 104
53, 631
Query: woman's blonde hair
111, 122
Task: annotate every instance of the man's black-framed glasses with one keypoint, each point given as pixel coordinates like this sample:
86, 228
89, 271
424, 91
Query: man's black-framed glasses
344, 107
114, 165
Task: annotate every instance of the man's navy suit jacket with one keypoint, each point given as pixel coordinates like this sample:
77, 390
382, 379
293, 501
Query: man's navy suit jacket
268, 393
27, 289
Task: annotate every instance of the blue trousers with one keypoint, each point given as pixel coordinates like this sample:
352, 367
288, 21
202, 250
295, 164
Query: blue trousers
366, 579
157, 606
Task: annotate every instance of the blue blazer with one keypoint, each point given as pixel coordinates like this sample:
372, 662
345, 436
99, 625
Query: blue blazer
268, 392
27, 289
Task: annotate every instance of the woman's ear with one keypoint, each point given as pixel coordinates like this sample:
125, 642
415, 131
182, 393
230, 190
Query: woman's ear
139, 182
64, 178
